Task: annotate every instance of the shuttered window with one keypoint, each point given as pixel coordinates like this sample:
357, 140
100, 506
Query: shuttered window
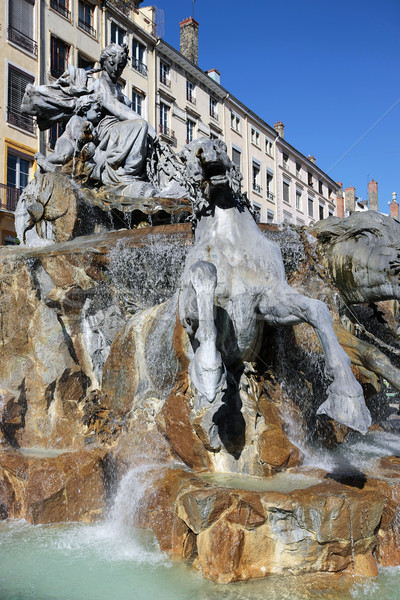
21, 24
17, 82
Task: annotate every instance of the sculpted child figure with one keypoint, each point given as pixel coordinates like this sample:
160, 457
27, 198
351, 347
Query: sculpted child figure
79, 131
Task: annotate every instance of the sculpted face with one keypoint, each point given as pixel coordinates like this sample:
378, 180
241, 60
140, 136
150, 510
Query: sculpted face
114, 64
209, 160
94, 113
363, 255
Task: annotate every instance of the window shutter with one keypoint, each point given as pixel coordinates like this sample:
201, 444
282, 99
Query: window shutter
21, 16
17, 82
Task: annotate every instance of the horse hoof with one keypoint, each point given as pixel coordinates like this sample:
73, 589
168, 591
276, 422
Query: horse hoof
347, 410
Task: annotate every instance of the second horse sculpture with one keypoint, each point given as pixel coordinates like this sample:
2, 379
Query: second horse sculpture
233, 284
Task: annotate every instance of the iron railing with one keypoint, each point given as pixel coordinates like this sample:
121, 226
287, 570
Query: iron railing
214, 114
257, 188
139, 66
87, 27
61, 8
169, 133
9, 197
270, 196
17, 118
190, 98
22, 40
165, 80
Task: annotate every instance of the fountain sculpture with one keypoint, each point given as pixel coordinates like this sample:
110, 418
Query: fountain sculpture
191, 353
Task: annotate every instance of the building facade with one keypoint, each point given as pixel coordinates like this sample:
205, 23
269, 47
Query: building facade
165, 86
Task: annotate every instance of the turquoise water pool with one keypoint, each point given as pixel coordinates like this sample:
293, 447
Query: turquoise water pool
97, 562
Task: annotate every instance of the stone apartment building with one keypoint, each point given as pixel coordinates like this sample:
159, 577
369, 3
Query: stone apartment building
166, 87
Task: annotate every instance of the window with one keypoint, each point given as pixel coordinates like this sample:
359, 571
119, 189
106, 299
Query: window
270, 194
268, 146
310, 207
117, 34
255, 136
235, 121
287, 217
256, 177
139, 57
330, 214
86, 18
62, 7
54, 133
329, 192
257, 212
320, 187
138, 102
59, 57
20, 25
270, 215
164, 74
85, 63
310, 179
17, 82
285, 160
299, 203
164, 121
190, 92
189, 131
213, 108
298, 169
236, 158
321, 212
286, 188
18, 171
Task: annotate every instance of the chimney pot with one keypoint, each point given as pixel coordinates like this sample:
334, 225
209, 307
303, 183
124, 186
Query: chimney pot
280, 129
311, 158
214, 74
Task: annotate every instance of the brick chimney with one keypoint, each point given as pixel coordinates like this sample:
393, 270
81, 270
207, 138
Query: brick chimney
190, 39
311, 158
340, 201
280, 129
350, 199
373, 195
394, 207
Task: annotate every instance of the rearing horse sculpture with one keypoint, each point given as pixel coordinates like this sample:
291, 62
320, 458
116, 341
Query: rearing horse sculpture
233, 283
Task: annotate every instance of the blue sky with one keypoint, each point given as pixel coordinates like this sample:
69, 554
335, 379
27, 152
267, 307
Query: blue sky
329, 69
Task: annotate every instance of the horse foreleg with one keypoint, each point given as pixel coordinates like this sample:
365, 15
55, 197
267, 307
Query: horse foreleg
206, 368
345, 402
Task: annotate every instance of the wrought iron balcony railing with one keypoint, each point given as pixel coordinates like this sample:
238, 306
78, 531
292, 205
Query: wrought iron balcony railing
165, 80
190, 98
9, 197
270, 196
22, 40
257, 188
87, 27
169, 133
139, 66
17, 118
61, 8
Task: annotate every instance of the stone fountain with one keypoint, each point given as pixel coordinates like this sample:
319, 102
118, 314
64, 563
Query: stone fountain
146, 319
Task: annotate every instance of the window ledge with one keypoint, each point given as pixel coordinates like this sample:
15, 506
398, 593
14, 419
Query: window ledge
92, 37
60, 15
24, 131
23, 50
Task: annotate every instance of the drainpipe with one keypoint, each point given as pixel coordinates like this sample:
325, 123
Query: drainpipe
276, 179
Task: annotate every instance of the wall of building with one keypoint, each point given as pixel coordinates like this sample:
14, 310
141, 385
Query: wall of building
159, 78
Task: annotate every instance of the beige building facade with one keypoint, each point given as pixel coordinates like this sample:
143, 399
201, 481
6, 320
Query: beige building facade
165, 86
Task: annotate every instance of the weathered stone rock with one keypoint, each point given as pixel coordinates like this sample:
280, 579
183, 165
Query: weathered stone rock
68, 487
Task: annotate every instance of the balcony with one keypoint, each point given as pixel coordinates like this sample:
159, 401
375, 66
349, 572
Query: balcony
190, 98
22, 40
139, 66
214, 114
9, 197
87, 27
257, 188
165, 80
61, 8
17, 118
166, 132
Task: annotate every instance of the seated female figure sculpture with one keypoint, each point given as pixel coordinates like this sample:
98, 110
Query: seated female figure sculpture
123, 137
